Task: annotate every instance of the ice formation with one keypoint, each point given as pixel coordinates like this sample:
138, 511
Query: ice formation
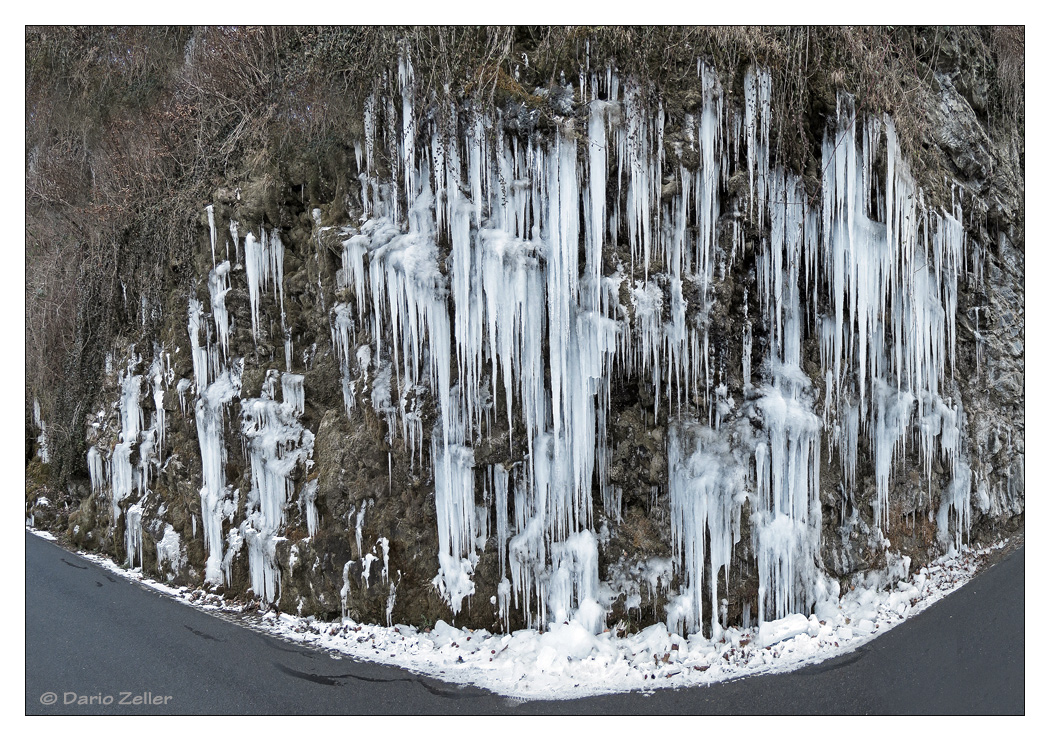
169, 551
276, 443
41, 441
543, 324
123, 473
263, 264
516, 323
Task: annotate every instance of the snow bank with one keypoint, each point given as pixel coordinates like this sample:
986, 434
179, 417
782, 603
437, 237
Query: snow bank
567, 659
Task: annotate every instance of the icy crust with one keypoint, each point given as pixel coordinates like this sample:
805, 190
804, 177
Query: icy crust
569, 660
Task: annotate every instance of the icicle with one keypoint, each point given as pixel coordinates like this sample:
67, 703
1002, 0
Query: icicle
218, 287
160, 419
343, 338
41, 441
358, 526
706, 487
96, 469
133, 535
264, 264
277, 444
308, 496
292, 392
198, 352
211, 230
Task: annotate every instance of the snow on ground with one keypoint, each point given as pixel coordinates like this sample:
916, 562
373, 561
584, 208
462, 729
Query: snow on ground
567, 661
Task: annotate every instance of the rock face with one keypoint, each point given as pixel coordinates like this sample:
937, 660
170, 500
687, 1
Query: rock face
624, 367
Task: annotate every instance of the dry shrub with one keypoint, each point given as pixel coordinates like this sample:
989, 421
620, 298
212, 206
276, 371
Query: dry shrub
1008, 45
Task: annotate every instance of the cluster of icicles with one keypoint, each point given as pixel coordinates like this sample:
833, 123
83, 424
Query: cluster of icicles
519, 332
275, 442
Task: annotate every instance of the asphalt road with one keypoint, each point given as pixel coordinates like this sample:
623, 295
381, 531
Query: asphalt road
90, 633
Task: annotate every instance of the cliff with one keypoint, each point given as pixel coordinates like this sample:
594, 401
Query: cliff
508, 331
